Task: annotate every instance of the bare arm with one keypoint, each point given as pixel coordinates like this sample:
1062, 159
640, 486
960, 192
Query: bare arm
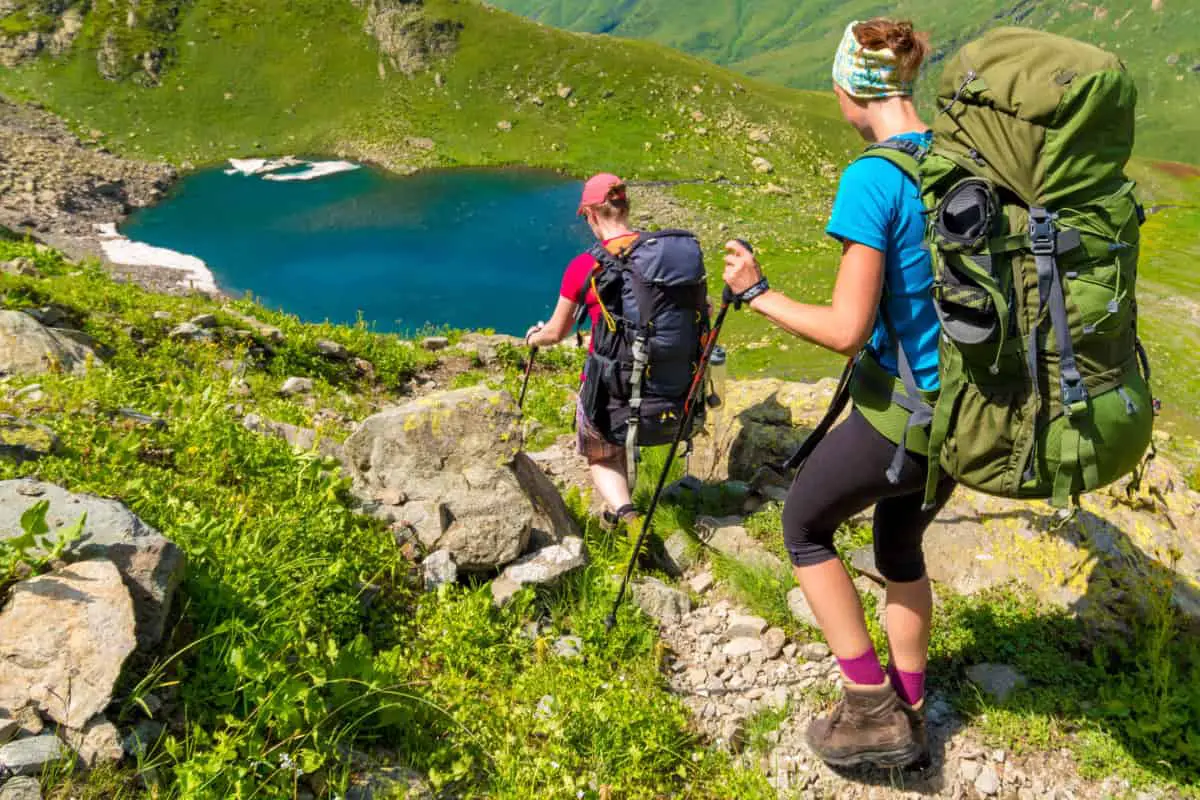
845, 325
557, 329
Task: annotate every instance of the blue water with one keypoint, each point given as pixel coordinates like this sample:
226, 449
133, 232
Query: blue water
466, 248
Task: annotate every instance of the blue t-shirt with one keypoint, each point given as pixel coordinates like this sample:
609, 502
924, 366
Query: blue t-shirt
877, 205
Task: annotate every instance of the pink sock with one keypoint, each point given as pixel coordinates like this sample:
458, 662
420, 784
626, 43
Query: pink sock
864, 670
909, 685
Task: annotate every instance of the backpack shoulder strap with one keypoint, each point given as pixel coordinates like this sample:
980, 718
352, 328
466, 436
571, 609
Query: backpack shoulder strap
906, 155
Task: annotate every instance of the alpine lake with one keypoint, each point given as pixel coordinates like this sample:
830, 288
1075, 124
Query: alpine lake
461, 248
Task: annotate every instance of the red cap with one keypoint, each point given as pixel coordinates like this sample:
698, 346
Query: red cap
598, 189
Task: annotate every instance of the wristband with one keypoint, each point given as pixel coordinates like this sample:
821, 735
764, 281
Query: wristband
760, 288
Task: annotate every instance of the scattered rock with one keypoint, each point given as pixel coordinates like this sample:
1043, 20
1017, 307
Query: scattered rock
29, 348
742, 646
814, 651
568, 647
268, 332
333, 350
969, 770
21, 440
680, 554
998, 681
776, 190
8, 729
800, 609
420, 142
187, 331
701, 582
99, 742
20, 266
21, 788
730, 539
987, 783
504, 126
773, 642
439, 569
733, 734
161, 316
31, 756
541, 568
151, 565
759, 136
565, 91
294, 386
63, 640
761, 165
663, 603
206, 321
455, 457
435, 343
746, 626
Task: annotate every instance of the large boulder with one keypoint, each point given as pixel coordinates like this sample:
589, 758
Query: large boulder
758, 422
151, 564
63, 640
29, 348
1126, 546
448, 466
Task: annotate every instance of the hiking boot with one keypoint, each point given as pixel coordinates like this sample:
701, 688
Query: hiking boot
916, 721
868, 726
627, 515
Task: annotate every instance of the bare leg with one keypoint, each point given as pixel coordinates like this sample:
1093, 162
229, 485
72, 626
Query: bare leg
610, 481
835, 602
909, 617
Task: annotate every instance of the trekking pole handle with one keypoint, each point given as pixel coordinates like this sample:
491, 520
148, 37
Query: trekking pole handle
728, 296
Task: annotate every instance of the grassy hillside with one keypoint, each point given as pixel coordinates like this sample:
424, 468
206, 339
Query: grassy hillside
793, 42
286, 76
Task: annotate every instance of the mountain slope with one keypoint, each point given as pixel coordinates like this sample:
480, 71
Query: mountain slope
305, 75
793, 42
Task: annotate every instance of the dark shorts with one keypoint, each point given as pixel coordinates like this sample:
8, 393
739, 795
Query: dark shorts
846, 474
591, 444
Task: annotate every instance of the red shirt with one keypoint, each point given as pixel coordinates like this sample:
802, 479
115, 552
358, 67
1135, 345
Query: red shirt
579, 274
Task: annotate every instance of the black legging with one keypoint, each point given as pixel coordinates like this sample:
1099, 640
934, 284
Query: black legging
846, 474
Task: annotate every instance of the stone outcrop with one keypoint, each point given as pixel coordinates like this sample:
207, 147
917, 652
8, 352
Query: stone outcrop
29, 348
408, 36
759, 422
151, 565
448, 468
38, 27
63, 640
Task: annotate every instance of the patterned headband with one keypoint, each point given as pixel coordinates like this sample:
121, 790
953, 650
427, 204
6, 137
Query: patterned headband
867, 74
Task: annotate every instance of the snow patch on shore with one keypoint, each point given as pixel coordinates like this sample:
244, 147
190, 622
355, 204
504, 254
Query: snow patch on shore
120, 249
269, 167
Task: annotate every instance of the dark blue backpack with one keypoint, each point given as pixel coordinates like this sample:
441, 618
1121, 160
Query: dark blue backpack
649, 340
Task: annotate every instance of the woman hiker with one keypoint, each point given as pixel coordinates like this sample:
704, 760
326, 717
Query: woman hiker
883, 284
605, 206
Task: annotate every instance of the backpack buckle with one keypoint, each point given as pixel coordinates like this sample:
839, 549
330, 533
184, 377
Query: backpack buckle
1043, 235
1074, 398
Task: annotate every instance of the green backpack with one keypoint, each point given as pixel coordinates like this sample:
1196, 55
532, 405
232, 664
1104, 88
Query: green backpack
1033, 232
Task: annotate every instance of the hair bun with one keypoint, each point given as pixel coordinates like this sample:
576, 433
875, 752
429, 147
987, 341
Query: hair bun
900, 37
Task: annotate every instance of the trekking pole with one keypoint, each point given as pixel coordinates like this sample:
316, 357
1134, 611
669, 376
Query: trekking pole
525, 384
727, 299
